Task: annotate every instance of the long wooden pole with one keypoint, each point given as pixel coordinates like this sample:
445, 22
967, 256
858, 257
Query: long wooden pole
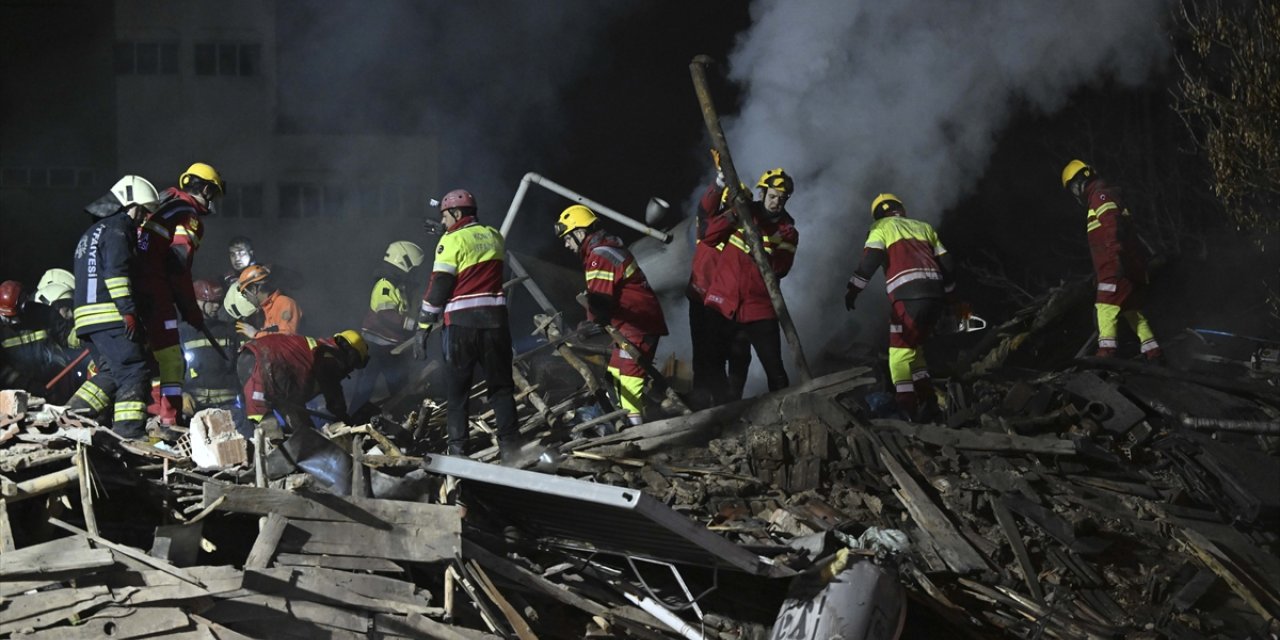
741, 204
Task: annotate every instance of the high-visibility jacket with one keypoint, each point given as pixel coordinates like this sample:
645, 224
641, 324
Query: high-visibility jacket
280, 314
466, 279
916, 265
737, 289
1119, 258
617, 288
167, 244
206, 370
384, 322
290, 370
104, 264
705, 255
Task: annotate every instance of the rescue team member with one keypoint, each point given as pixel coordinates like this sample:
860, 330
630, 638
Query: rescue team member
465, 292
240, 251
918, 275
28, 354
279, 313
1119, 260
106, 318
388, 323
708, 331
167, 245
737, 290
57, 291
283, 372
618, 294
211, 376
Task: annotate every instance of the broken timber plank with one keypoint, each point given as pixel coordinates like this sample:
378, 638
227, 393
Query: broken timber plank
121, 623
53, 560
341, 588
1011, 533
373, 512
135, 554
979, 440
420, 626
347, 563
300, 616
430, 542
517, 622
265, 545
47, 608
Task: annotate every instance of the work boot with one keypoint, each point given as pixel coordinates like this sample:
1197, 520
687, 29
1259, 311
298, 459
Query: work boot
1105, 352
456, 450
509, 453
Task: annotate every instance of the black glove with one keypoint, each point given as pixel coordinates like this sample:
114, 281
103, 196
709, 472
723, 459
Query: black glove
420, 343
850, 297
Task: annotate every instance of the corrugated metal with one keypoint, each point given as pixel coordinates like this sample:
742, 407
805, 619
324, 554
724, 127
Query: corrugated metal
613, 519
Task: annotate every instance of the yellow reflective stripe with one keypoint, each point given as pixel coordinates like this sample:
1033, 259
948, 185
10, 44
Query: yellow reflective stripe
130, 410
391, 299
631, 269
191, 237
1093, 225
24, 338
891, 229
214, 395
311, 343
741, 243
96, 314
1104, 208
118, 287
93, 396
787, 246
607, 276
204, 342
157, 228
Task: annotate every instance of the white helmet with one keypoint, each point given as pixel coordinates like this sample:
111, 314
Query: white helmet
55, 285
404, 255
236, 304
126, 192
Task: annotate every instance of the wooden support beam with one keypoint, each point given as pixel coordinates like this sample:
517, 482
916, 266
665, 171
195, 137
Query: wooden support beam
373, 512
265, 545
1010, 528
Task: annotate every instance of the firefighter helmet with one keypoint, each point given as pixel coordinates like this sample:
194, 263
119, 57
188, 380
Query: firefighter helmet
208, 291
457, 199
777, 179
252, 274
356, 341
55, 285
201, 173
236, 304
10, 298
1075, 169
126, 192
404, 255
575, 217
884, 203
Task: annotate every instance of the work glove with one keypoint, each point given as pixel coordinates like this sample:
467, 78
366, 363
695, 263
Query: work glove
247, 330
131, 327
409, 324
420, 343
850, 297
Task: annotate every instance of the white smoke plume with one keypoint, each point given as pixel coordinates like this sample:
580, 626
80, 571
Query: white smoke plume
856, 98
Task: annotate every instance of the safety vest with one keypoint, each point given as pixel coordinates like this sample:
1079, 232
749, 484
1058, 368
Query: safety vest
384, 322
912, 249
466, 279
612, 274
104, 262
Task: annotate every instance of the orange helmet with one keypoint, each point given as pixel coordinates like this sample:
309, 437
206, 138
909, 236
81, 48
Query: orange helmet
253, 274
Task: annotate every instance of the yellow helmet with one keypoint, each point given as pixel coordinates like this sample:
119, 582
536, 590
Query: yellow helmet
777, 179
1075, 169
55, 285
203, 172
884, 203
404, 255
353, 338
575, 217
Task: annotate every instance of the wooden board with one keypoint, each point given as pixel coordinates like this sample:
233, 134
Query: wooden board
47, 608
381, 514
416, 543
340, 588
297, 615
419, 626
121, 623
350, 563
265, 545
980, 440
62, 557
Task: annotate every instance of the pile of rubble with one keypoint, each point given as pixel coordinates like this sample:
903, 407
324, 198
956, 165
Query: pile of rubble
1102, 499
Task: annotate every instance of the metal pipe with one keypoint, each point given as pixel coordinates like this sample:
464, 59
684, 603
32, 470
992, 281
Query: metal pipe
1239, 426
673, 622
741, 202
600, 209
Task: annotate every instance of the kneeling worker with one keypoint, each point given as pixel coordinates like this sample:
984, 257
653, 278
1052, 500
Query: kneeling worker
283, 372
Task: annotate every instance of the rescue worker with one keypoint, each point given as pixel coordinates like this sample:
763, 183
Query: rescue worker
737, 290
57, 291
28, 358
388, 323
618, 294
278, 313
1119, 260
919, 275
167, 245
240, 251
465, 293
106, 318
709, 332
211, 373
282, 373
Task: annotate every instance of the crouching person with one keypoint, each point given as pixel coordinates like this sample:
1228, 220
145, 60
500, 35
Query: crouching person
281, 373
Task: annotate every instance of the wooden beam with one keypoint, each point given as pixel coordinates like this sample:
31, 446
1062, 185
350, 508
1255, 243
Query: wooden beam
265, 545
130, 552
340, 588
347, 563
372, 512
980, 440
54, 558
1029, 573
431, 542
517, 622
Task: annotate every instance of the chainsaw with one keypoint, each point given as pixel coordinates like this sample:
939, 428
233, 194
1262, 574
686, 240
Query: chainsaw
958, 320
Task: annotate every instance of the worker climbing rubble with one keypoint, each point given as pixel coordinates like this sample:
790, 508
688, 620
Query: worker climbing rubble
618, 294
1119, 260
919, 276
282, 373
465, 295
106, 315
167, 246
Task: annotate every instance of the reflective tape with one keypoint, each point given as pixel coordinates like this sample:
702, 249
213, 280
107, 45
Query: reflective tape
478, 301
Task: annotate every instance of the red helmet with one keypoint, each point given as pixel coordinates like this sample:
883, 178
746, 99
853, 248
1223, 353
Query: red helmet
457, 199
208, 291
10, 297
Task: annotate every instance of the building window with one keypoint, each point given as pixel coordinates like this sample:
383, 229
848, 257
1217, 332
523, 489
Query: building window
228, 59
47, 178
146, 58
299, 200
242, 201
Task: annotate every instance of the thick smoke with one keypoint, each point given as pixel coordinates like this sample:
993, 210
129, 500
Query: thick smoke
858, 98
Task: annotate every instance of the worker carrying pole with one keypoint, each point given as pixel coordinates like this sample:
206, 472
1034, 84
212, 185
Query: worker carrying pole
618, 297
741, 203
